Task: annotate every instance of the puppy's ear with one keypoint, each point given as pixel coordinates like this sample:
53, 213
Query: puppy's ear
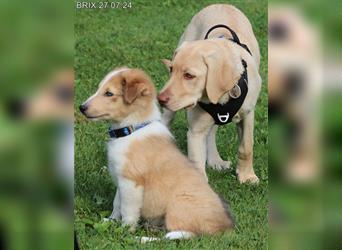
136, 84
223, 72
130, 91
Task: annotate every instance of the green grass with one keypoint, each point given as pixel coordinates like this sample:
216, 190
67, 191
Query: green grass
140, 37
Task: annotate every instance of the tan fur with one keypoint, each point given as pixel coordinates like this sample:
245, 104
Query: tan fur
223, 72
173, 188
216, 65
126, 86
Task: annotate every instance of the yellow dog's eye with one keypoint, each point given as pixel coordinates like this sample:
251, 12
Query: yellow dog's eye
188, 76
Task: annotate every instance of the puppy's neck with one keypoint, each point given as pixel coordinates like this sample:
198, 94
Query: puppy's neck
147, 115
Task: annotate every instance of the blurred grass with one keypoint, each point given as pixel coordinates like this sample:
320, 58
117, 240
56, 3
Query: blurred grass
140, 37
36, 41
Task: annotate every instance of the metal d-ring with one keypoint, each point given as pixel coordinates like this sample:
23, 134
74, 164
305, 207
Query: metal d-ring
235, 92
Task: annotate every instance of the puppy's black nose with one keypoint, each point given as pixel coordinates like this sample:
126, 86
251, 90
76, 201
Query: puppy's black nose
83, 108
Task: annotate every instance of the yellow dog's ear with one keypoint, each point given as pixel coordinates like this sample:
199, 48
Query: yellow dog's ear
167, 63
223, 72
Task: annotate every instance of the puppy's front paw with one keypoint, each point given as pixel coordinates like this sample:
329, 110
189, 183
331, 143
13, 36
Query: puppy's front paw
219, 164
131, 222
247, 176
115, 216
131, 227
112, 218
106, 219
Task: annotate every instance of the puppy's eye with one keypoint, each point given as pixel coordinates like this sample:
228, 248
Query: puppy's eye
188, 76
170, 69
108, 93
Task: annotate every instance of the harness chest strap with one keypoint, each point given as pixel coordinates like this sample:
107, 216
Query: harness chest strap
224, 113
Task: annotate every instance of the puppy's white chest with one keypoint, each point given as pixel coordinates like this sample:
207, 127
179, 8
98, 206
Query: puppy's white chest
117, 151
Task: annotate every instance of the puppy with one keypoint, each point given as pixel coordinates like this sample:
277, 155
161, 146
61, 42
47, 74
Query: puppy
209, 71
154, 179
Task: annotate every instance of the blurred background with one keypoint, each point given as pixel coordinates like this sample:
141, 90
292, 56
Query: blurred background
305, 119
36, 124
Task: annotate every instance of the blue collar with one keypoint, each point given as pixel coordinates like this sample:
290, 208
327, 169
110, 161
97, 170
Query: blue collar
122, 132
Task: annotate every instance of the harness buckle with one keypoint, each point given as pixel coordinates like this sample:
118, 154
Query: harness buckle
223, 118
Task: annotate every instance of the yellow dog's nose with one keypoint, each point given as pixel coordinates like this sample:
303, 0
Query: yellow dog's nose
83, 108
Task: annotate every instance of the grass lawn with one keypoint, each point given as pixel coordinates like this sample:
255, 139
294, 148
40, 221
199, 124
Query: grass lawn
140, 37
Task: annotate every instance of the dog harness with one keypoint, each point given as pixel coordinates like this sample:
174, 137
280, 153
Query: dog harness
122, 132
224, 113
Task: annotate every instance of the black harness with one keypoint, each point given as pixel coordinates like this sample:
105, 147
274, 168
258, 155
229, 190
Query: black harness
224, 113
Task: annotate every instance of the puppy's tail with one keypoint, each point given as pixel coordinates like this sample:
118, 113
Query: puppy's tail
174, 235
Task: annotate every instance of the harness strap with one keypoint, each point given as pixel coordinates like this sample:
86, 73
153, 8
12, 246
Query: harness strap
224, 113
234, 35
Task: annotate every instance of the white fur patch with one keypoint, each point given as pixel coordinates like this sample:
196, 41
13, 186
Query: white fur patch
131, 201
106, 79
145, 239
174, 235
110, 75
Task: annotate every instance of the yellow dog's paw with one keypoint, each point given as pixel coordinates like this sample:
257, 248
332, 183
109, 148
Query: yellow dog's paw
219, 164
247, 177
